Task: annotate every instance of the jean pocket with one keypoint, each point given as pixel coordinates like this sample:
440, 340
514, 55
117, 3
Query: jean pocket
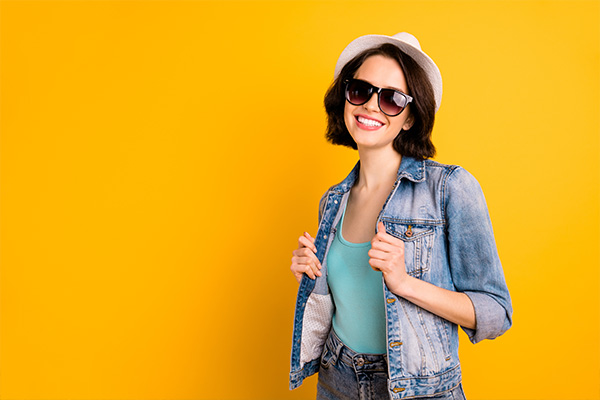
418, 241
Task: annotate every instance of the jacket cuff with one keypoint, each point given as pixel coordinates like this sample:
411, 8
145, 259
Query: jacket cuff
489, 316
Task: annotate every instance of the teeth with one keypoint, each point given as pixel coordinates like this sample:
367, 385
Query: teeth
368, 122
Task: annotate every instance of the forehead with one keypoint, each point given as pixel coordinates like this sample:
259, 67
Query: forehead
383, 72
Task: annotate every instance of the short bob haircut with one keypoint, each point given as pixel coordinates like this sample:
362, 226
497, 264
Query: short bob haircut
414, 142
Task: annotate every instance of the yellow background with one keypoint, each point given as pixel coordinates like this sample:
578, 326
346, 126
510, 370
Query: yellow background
159, 160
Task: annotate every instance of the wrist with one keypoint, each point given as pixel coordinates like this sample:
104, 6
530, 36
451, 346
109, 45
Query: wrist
405, 287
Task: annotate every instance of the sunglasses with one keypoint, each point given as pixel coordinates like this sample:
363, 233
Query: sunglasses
391, 102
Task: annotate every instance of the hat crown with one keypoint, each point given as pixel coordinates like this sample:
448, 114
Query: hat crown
408, 38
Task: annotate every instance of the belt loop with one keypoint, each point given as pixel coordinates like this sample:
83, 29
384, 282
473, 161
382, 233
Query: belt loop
338, 345
330, 347
338, 349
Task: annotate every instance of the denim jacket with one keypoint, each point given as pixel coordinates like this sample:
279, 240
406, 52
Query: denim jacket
440, 213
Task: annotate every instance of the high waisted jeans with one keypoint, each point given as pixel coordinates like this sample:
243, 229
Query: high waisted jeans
347, 375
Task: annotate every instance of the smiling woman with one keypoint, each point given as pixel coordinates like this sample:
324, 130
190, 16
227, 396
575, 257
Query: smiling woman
404, 253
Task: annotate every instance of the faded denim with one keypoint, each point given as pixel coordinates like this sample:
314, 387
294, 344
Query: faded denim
439, 211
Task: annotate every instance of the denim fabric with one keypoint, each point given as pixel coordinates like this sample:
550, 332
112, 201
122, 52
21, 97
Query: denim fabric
440, 213
347, 375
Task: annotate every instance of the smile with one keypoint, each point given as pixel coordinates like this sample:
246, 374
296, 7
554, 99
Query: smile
368, 122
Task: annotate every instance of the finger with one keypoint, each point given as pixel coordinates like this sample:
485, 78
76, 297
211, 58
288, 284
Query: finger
302, 260
306, 252
307, 259
381, 232
376, 264
387, 238
301, 264
380, 255
316, 271
385, 246
301, 269
312, 240
303, 241
312, 274
310, 248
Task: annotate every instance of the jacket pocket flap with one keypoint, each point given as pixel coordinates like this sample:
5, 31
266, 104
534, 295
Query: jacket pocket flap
407, 232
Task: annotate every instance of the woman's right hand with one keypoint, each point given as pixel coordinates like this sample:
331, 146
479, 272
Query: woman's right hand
304, 260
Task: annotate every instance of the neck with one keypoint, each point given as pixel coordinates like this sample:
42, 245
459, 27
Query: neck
378, 168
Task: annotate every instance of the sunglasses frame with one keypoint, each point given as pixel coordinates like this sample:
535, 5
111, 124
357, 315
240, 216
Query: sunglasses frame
375, 89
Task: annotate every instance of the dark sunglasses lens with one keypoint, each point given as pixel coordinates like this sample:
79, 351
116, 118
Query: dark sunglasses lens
357, 92
391, 102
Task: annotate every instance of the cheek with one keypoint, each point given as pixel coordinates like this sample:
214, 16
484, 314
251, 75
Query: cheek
348, 117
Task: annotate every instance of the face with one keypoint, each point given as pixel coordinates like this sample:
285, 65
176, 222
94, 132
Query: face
368, 126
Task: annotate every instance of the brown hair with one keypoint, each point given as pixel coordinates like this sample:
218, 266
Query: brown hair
414, 142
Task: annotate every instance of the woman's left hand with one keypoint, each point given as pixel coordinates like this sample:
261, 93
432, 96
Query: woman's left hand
387, 255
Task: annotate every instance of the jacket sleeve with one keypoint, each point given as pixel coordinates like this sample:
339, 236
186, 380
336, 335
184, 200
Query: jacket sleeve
474, 263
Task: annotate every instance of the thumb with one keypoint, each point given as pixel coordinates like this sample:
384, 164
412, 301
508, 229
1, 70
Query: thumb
381, 227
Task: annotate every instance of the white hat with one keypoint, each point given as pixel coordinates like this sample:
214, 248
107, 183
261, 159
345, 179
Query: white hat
405, 42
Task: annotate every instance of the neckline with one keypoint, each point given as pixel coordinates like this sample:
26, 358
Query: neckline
344, 241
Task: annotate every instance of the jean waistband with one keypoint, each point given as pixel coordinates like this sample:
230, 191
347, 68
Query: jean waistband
360, 361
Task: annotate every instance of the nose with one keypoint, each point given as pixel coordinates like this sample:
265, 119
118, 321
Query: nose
371, 104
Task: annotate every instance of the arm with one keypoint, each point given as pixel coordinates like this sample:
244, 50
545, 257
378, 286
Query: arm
481, 303
474, 262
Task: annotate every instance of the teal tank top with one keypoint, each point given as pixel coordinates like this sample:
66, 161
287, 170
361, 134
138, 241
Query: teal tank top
357, 290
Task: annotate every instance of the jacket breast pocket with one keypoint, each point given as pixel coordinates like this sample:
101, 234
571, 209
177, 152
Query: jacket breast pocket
418, 242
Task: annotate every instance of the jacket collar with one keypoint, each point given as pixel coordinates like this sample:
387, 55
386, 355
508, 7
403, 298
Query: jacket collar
410, 168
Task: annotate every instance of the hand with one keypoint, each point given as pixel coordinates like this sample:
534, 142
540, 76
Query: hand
304, 260
387, 255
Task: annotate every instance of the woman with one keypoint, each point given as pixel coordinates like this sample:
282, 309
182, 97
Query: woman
420, 227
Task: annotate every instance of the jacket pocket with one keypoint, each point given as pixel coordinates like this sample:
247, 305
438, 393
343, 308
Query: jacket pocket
418, 241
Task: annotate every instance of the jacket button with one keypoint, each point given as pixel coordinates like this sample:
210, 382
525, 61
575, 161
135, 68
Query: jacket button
360, 362
335, 202
324, 236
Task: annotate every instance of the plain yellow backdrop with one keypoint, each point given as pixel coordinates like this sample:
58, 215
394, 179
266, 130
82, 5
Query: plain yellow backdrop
159, 160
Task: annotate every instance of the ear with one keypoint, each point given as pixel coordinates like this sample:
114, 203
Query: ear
408, 123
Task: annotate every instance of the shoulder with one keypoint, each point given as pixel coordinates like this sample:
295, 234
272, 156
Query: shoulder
457, 186
451, 176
